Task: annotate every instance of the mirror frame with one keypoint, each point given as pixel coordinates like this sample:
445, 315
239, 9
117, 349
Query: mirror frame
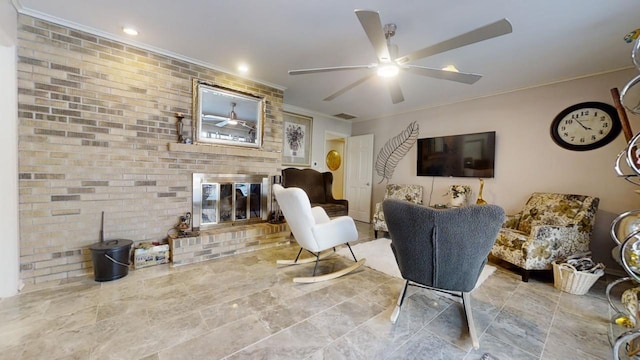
217, 101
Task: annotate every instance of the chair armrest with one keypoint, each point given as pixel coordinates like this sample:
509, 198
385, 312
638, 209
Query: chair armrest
378, 215
328, 194
514, 232
338, 231
319, 215
344, 202
512, 221
378, 219
585, 222
553, 241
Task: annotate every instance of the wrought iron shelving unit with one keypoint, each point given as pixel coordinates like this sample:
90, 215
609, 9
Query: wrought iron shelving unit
624, 333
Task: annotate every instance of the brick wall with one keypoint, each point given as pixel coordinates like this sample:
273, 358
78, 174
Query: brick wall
224, 242
96, 118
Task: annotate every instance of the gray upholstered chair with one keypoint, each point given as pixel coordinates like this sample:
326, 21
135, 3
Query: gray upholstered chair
315, 231
442, 250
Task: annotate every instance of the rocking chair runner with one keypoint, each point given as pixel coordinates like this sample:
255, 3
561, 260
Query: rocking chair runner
314, 231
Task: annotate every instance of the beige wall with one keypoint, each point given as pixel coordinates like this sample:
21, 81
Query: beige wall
527, 159
95, 120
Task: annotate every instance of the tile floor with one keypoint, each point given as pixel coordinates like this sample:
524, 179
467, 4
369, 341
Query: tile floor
246, 307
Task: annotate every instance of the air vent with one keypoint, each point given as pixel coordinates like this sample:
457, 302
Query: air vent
345, 116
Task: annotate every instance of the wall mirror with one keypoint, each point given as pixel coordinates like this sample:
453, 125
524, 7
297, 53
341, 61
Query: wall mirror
224, 116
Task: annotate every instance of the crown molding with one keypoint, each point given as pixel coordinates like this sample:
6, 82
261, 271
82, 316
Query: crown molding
17, 5
307, 112
93, 31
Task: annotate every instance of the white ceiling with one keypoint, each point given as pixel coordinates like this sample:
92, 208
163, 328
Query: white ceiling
552, 40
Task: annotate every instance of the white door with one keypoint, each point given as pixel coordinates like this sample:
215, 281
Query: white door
359, 174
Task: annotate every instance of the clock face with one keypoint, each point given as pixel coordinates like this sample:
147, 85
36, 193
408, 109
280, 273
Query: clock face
586, 126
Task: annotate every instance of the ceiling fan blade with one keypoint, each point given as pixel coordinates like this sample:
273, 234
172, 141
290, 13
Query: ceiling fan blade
372, 26
223, 122
466, 78
348, 87
327, 69
394, 89
498, 28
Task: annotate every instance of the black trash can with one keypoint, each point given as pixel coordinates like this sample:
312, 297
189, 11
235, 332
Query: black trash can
111, 259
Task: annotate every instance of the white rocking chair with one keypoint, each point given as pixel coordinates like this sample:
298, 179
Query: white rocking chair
315, 232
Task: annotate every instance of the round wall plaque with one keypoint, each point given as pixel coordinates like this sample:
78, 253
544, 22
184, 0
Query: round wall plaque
333, 160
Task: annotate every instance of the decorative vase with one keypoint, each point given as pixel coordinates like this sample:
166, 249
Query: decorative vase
480, 200
294, 148
458, 195
458, 201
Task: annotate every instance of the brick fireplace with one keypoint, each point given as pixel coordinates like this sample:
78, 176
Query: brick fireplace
215, 243
98, 132
229, 217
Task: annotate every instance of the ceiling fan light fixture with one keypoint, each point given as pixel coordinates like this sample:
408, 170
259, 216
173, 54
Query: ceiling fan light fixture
233, 118
451, 68
388, 70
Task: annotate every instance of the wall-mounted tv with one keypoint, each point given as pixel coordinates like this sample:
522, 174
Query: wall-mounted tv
467, 155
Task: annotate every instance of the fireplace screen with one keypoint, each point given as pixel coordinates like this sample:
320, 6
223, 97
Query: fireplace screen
228, 199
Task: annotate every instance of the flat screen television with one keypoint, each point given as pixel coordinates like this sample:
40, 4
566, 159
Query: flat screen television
467, 155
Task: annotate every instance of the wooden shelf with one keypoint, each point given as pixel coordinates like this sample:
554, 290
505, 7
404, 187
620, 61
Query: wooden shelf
223, 150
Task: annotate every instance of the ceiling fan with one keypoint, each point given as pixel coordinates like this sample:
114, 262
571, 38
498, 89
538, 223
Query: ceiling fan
389, 64
231, 119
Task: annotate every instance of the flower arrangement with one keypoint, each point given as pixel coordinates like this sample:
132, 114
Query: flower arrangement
295, 136
459, 190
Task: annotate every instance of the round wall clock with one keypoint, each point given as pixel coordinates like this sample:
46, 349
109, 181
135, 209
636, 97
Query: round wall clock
586, 126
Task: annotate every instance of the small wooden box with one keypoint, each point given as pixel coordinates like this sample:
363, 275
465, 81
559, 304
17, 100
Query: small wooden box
148, 256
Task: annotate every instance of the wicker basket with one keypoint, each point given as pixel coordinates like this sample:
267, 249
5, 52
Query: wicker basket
568, 279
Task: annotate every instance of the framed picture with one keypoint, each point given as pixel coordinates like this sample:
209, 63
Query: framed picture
296, 142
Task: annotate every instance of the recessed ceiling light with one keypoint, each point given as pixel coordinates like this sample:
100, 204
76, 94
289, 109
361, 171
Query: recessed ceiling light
243, 68
450, 68
130, 31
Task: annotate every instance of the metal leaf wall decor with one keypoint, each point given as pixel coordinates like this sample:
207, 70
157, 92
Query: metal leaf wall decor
394, 150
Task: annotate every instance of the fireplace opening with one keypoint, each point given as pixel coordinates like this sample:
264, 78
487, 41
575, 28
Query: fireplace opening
229, 199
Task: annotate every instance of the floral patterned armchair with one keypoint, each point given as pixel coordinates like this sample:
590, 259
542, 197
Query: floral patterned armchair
412, 193
549, 227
